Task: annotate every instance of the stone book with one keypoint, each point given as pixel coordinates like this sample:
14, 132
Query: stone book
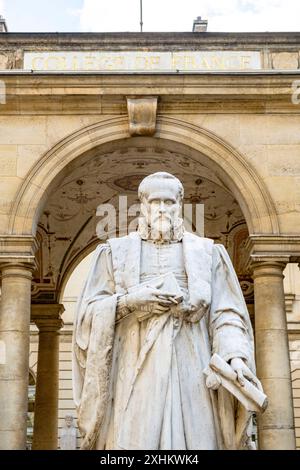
165, 282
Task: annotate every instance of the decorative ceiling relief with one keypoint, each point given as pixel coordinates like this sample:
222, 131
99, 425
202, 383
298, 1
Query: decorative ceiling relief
67, 228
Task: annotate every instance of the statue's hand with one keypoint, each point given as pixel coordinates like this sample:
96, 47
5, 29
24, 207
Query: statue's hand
149, 301
243, 371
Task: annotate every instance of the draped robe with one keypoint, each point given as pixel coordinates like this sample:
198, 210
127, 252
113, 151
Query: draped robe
140, 385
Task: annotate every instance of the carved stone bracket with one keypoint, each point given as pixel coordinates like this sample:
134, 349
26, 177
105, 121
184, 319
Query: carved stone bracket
142, 115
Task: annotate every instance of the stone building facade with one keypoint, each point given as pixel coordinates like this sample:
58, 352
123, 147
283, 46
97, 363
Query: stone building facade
83, 118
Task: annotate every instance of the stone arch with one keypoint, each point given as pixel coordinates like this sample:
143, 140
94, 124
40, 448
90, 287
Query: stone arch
71, 268
32, 377
238, 174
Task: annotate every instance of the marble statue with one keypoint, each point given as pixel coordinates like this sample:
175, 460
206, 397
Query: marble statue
68, 436
156, 306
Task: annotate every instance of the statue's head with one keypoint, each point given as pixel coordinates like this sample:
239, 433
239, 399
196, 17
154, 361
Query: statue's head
69, 420
161, 196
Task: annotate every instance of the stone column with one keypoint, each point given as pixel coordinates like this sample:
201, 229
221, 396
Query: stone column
276, 424
14, 370
48, 320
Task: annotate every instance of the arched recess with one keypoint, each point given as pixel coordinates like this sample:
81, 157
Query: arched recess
30, 411
236, 172
71, 268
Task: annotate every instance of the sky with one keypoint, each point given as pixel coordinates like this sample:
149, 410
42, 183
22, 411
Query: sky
158, 15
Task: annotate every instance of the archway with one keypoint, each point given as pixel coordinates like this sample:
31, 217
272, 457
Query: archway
66, 229
197, 156
240, 177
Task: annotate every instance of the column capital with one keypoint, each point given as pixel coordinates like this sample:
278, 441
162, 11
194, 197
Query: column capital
272, 262
262, 267
16, 267
271, 249
285, 245
47, 317
18, 252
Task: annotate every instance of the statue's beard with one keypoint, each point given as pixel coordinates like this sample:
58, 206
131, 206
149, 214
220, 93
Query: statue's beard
161, 229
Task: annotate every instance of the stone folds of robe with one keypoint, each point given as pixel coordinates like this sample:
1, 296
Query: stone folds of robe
140, 385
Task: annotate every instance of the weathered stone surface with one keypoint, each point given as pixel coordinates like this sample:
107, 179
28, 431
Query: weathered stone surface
285, 60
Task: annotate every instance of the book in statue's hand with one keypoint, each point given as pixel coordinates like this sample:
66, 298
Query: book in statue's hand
165, 283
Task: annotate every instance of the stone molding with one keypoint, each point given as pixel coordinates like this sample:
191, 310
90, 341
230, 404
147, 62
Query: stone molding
272, 250
91, 93
47, 317
289, 302
153, 40
18, 251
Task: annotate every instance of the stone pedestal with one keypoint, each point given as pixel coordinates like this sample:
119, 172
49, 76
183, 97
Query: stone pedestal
14, 335
48, 320
276, 424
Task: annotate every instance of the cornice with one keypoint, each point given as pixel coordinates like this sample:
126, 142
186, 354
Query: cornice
88, 93
155, 40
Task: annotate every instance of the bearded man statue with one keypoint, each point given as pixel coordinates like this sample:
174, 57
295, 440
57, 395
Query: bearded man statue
157, 304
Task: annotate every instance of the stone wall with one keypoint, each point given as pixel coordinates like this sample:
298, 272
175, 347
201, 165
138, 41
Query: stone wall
295, 369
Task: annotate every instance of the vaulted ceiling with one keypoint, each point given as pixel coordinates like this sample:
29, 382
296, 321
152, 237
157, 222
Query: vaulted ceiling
67, 228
